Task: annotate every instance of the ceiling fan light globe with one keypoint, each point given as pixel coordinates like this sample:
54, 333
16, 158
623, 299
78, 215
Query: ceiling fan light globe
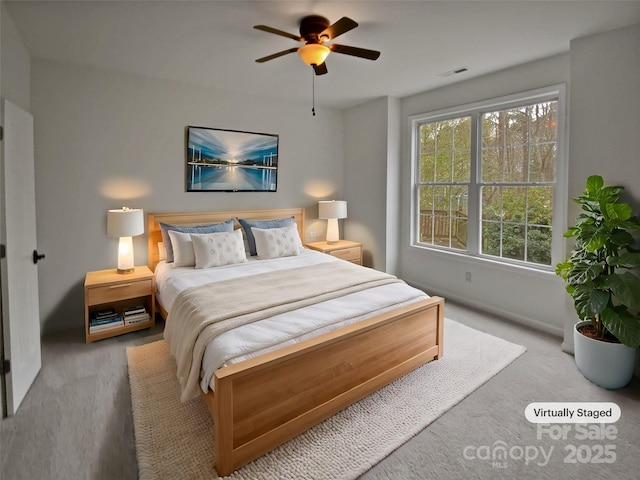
313, 53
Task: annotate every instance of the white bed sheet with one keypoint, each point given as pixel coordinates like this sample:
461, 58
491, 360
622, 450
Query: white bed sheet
278, 331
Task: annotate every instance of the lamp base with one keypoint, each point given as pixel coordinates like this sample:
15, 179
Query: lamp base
332, 242
124, 271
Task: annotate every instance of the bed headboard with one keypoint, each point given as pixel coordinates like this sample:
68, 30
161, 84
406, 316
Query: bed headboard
199, 218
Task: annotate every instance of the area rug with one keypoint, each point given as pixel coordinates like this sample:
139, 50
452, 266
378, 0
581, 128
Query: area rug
175, 440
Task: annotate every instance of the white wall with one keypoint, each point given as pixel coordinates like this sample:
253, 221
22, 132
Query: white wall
105, 139
529, 296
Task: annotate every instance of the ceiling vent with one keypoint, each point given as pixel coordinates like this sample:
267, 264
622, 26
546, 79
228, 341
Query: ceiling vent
453, 72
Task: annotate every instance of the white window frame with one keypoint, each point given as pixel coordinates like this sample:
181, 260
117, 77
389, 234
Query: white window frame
475, 109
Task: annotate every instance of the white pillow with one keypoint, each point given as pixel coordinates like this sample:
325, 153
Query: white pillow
277, 242
218, 249
183, 254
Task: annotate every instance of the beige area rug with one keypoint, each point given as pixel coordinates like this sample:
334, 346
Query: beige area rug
175, 440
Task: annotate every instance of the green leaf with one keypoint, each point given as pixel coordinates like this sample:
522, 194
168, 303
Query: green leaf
616, 211
594, 184
598, 300
597, 240
563, 269
621, 238
626, 260
583, 273
626, 287
623, 325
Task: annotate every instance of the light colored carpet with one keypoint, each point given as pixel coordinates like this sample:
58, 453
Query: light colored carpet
175, 440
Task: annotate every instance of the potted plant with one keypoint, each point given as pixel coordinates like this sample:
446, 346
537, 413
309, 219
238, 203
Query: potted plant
600, 278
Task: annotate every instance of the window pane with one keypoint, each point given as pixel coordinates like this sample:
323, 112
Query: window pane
428, 138
491, 235
491, 130
492, 164
513, 241
516, 162
542, 162
539, 205
462, 134
426, 199
425, 229
425, 225
539, 245
491, 203
543, 122
444, 135
516, 125
443, 166
514, 204
462, 166
427, 167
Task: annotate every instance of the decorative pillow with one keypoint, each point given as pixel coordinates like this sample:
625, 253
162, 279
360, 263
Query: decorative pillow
218, 249
209, 228
277, 242
183, 254
247, 225
162, 252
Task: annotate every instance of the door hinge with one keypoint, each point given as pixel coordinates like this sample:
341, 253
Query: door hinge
3, 250
1, 133
5, 367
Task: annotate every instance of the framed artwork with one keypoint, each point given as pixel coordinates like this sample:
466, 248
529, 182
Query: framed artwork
231, 161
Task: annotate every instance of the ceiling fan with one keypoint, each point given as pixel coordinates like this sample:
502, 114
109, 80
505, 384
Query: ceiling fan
315, 30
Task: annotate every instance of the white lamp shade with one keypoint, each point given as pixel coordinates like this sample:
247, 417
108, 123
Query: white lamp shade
125, 222
332, 209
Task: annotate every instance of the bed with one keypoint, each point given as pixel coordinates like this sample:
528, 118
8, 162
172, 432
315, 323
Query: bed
259, 402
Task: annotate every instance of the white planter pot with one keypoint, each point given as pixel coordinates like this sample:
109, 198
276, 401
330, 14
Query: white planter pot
608, 365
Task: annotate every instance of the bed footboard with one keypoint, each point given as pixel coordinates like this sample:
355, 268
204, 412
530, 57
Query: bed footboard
261, 403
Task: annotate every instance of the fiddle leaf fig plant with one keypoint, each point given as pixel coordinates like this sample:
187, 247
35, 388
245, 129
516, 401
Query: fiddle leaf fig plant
601, 271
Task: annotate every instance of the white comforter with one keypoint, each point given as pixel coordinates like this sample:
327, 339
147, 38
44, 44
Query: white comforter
275, 332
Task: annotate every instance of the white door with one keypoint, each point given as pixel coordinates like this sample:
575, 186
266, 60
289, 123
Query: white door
20, 308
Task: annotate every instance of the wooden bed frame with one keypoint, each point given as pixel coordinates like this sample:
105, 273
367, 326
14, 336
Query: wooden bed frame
262, 402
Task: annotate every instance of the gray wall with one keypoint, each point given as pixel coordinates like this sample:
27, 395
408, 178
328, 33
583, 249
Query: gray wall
16, 64
371, 165
105, 139
605, 117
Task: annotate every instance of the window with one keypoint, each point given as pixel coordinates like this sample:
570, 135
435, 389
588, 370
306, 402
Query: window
486, 179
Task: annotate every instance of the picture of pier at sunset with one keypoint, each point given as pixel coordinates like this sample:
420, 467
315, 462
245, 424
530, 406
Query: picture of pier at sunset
231, 161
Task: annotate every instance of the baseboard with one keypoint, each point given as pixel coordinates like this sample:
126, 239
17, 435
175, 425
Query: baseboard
526, 321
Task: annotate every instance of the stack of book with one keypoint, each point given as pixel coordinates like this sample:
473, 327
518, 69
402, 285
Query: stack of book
105, 320
135, 314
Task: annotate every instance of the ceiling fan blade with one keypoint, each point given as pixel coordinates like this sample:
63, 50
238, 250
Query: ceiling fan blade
355, 51
276, 55
268, 29
320, 69
341, 26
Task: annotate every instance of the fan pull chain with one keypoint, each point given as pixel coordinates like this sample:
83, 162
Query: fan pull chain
313, 92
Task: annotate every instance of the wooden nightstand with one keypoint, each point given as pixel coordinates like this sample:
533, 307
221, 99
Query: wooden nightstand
107, 289
344, 249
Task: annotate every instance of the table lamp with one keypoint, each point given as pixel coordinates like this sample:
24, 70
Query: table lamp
332, 210
124, 224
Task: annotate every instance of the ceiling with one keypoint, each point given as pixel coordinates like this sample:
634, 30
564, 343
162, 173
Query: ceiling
213, 44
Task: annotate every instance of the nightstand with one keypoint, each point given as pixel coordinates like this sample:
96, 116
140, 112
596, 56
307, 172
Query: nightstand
107, 290
344, 249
